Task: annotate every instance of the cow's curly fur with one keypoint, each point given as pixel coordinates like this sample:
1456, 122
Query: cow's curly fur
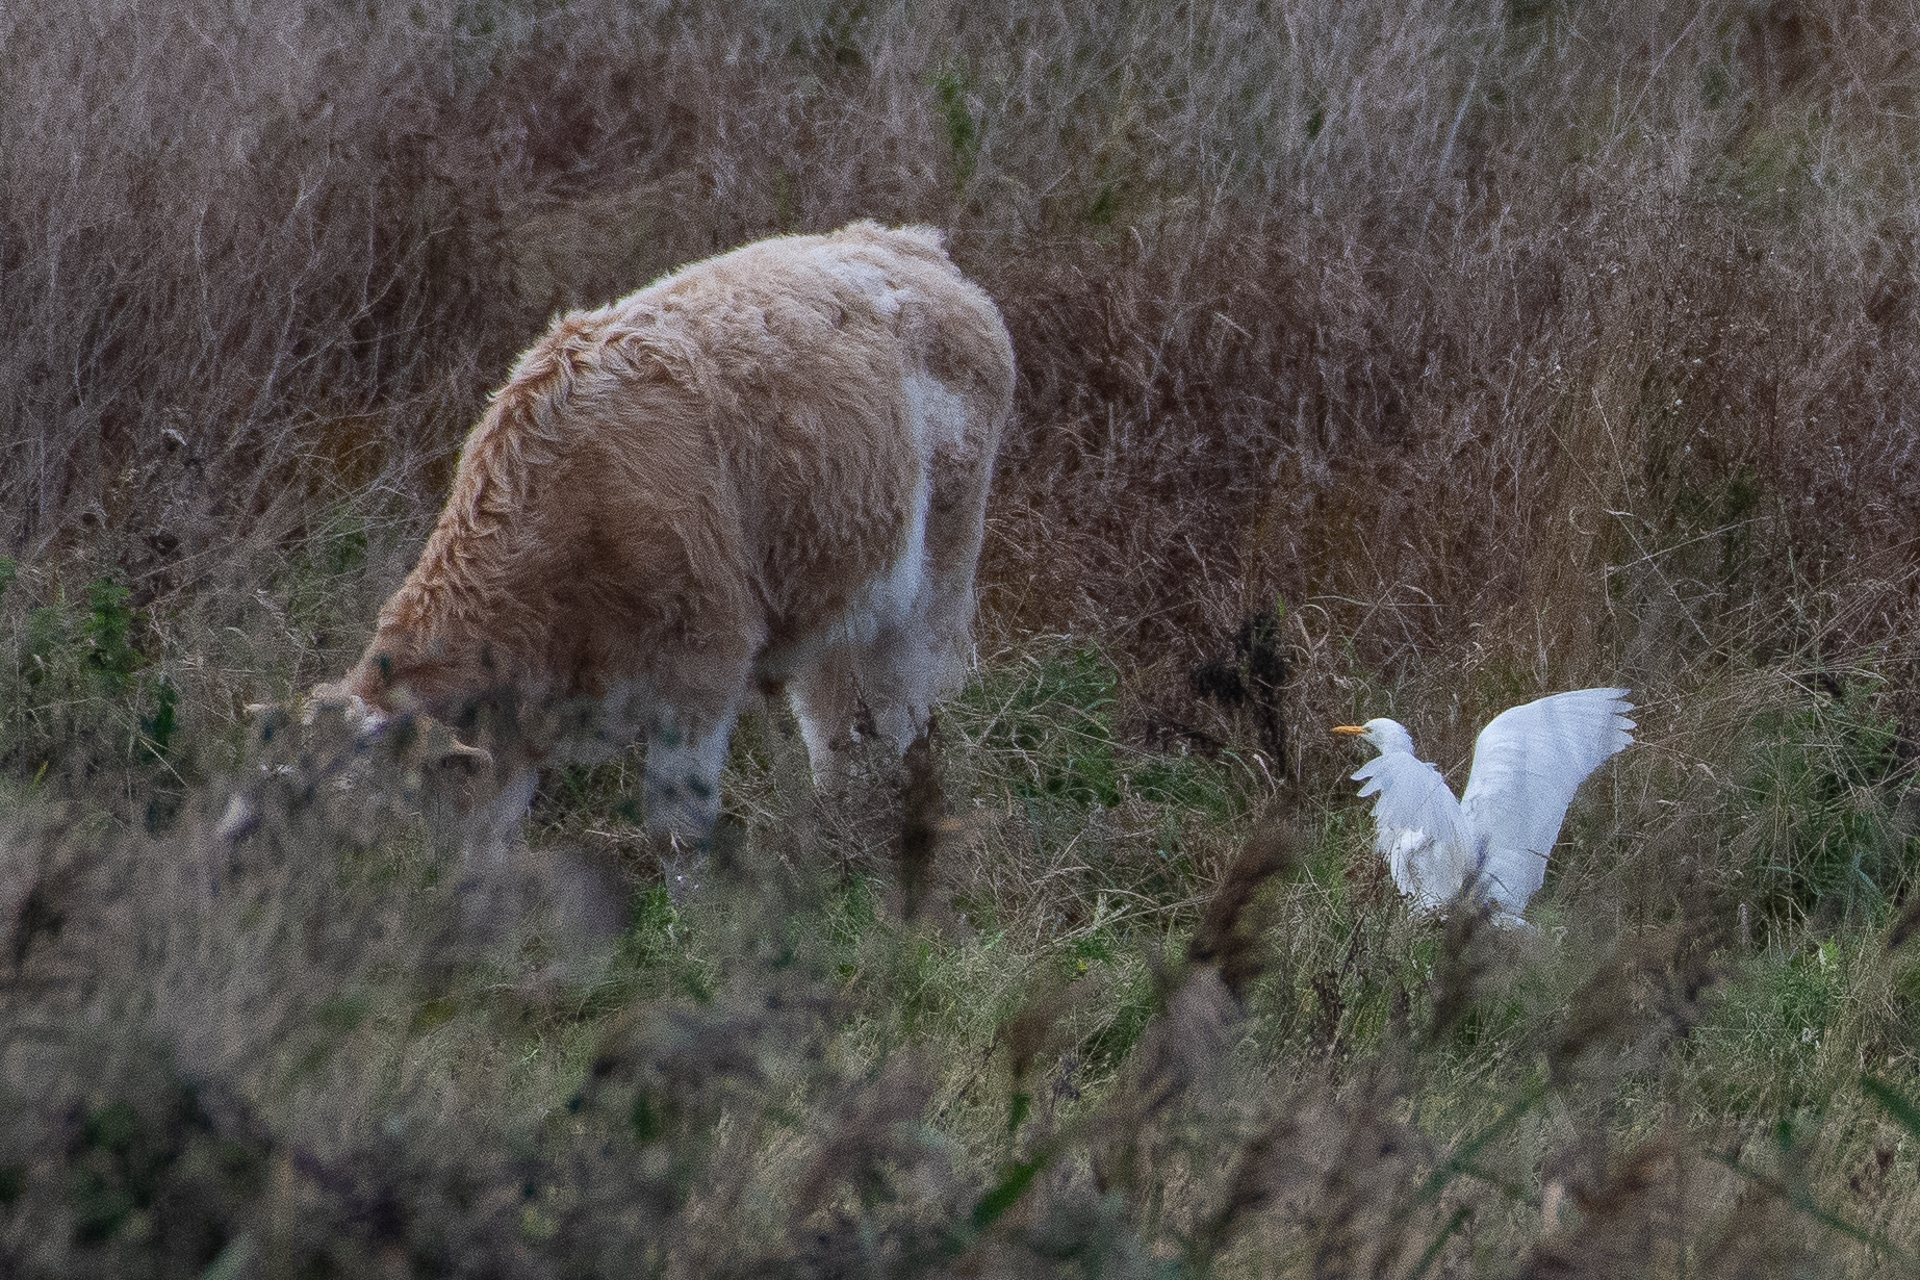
771, 467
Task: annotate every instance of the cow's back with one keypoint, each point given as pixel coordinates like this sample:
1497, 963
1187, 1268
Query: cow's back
783, 406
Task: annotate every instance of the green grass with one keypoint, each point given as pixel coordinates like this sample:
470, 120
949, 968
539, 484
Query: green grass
786, 995
785, 1048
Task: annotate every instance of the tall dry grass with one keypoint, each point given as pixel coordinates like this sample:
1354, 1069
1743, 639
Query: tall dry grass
1412, 357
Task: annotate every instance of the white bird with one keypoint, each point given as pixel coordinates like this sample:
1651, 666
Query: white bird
1491, 845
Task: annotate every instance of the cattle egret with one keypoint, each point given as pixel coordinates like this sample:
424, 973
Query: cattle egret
1490, 846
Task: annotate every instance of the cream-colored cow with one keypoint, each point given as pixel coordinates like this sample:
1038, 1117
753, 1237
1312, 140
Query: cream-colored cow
767, 468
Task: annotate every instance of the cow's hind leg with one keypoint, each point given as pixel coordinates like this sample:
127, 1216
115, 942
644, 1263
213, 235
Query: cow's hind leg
914, 662
833, 724
900, 676
855, 763
860, 707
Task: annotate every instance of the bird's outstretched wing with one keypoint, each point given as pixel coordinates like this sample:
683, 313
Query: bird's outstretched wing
1412, 800
1527, 763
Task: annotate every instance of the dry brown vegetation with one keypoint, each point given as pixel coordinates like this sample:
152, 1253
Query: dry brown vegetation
1408, 358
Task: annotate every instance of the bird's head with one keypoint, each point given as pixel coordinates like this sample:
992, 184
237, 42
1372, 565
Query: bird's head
1382, 734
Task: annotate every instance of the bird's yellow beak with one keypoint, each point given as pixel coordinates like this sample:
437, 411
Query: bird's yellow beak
1350, 730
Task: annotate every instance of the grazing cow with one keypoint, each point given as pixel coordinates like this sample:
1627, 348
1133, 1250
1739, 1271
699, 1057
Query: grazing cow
769, 468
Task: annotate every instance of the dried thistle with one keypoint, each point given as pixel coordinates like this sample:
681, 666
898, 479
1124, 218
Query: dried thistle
1179, 1055
1229, 935
1661, 977
1623, 1221
862, 1135
1459, 970
921, 825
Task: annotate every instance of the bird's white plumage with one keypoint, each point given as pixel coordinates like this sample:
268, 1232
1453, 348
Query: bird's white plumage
1491, 845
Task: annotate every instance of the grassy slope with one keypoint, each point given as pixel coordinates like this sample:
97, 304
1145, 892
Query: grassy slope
1447, 355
